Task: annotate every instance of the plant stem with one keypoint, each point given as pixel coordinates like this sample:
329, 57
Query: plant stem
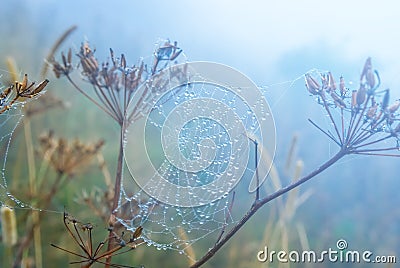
258, 204
37, 238
118, 177
117, 190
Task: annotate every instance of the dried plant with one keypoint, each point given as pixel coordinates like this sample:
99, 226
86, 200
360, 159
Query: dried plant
115, 85
366, 119
364, 123
91, 254
67, 158
19, 92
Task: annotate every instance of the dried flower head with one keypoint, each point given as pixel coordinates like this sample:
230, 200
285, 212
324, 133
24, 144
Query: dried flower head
115, 83
68, 157
19, 92
62, 69
365, 124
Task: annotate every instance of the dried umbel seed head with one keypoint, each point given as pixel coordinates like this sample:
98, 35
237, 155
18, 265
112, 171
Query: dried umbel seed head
68, 157
9, 226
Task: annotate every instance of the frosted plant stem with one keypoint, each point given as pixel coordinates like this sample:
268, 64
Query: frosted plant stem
258, 204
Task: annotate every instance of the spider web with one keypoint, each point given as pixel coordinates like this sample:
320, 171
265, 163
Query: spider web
195, 109
9, 121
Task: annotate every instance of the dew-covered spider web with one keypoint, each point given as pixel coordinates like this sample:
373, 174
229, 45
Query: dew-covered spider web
9, 122
192, 157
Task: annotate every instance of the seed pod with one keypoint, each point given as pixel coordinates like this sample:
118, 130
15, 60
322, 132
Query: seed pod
64, 59
331, 82
372, 111
123, 62
367, 66
342, 86
393, 108
354, 99
9, 226
137, 232
338, 101
24, 83
69, 57
6, 93
361, 94
312, 85
385, 101
379, 115
39, 88
370, 78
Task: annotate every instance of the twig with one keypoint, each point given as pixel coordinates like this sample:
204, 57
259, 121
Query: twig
256, 206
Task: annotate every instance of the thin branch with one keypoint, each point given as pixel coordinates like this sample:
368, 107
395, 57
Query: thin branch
117, 189
372, 142
376, 150
90, 98
326, 106
377, 154
361, 115
256, 206
323, 131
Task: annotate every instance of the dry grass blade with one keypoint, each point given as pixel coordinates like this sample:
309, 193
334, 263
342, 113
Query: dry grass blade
293, 195
292, 153
189, 249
